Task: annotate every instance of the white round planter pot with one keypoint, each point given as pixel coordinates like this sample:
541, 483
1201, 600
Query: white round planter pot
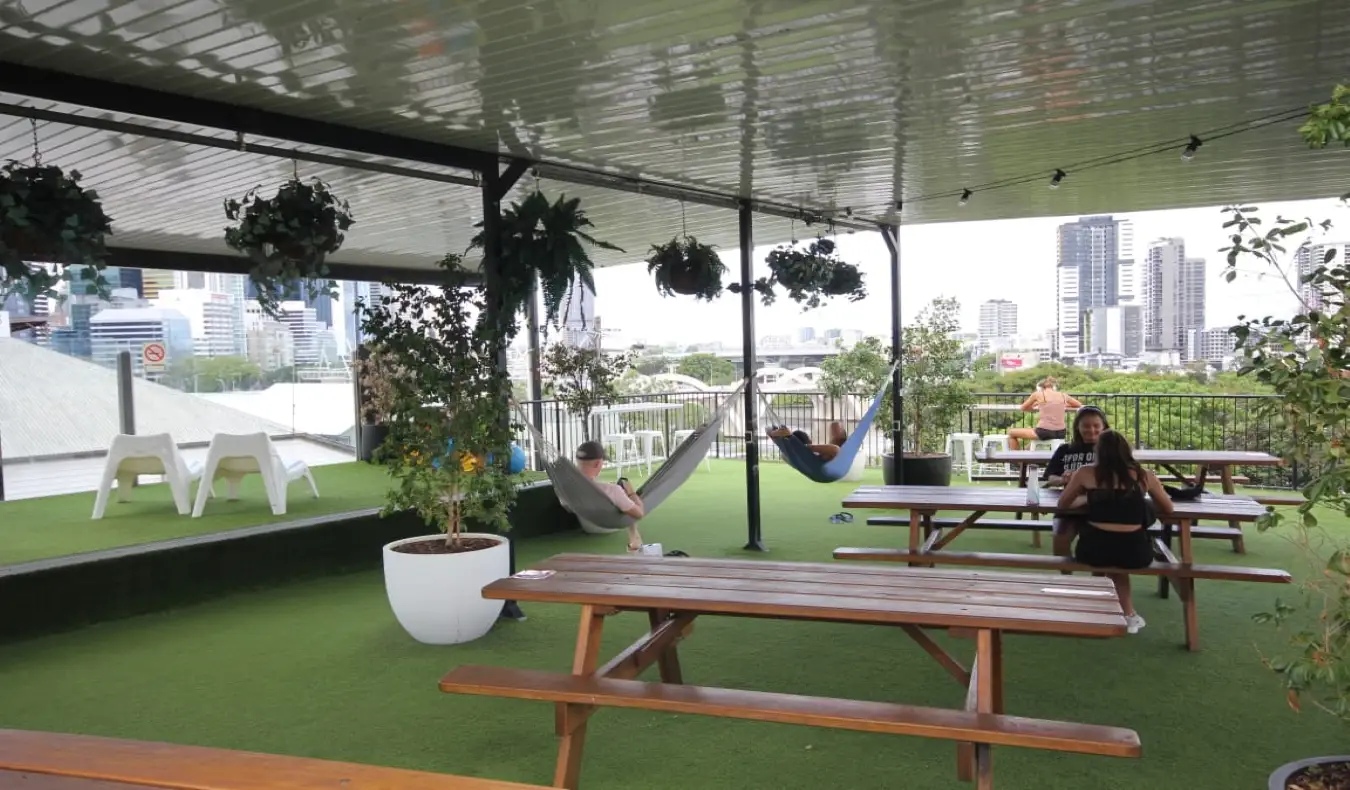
855, 472
437, 598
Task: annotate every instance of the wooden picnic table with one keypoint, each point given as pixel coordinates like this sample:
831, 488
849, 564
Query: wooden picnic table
1204, 460
59, 761
672, 592
924, 502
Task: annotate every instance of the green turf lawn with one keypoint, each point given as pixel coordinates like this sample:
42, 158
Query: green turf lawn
321, 669
32, 529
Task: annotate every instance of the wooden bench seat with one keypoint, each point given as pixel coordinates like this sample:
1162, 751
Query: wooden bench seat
995, 478
1280, 500
58, 761
1232, 534
1050, 562
884, 717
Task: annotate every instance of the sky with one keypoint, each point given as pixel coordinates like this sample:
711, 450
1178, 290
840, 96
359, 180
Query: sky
972, 261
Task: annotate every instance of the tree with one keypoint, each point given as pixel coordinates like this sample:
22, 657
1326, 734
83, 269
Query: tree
213, 374
707, 368
860, 370
651, 365
936, 374
1307, 361
584, 379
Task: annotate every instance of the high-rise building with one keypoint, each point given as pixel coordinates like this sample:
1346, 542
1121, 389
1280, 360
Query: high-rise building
998, 318
1174, 296
304, 327
1118, 329
1309, 257
115, 331
1088, 273
321, 303
155, 280
371, 294
1210, 345
211, 315
806, 335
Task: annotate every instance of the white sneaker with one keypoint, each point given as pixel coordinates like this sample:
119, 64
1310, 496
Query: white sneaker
1134, 623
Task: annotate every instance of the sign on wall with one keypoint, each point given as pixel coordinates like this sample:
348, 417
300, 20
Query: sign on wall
152, 357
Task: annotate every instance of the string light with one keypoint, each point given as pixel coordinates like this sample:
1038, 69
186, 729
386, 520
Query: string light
965, 197
1056, 178
1191, 147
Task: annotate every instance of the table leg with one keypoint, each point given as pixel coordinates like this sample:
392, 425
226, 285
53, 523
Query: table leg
996, 669
984, 695
1226, 477
1184, 528
915, 523
573, 728
1186, 591
669, 661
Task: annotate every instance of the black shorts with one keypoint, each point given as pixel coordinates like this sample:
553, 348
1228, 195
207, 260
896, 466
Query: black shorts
1104, 549
1046, 435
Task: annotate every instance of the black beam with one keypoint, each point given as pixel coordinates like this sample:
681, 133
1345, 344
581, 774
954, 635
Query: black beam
510, 176
220, 263
754, 540
57, 86
891, 233
495, 303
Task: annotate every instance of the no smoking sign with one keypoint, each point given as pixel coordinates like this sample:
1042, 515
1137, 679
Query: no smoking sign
152, 357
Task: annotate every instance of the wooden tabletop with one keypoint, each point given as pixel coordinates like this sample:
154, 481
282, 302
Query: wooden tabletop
1202, 457
60, 761
1019, 602
1014, 500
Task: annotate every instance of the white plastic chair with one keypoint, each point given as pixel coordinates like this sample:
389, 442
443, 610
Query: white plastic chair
235, 456
678, 438
967, 455
156, 454
647, 446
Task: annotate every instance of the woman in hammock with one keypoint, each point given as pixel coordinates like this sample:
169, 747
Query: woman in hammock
826, 452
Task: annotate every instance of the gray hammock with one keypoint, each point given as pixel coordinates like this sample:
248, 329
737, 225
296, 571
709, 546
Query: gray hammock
597, 513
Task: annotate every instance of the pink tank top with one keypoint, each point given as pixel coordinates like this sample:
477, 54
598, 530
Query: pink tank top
1053, 407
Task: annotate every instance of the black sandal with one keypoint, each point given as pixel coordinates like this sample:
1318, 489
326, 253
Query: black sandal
676, 553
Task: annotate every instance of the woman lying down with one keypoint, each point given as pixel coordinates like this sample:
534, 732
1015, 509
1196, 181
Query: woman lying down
826, 452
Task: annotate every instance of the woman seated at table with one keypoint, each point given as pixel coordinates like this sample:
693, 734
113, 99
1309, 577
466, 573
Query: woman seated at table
1114, 532
826, 452
1052, 406
1069, 458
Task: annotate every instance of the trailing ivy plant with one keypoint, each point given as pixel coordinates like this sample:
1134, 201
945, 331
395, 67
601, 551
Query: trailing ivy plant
288, 237
46, 217
686, 266
1306, 360
449, 440
810, 275
549, 239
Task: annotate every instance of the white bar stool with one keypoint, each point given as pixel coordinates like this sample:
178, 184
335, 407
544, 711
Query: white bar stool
991, 443
623, 444
679, 437
967, 454
1046, 444
647, 441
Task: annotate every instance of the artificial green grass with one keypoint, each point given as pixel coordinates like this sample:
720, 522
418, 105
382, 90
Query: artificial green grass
34, 529
322, 669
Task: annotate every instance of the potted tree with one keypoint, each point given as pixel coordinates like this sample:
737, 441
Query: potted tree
810, 274
376, 372
45, 215
584, 379
1307, 360
548, 239
288, 237
448, 452
685, 266
935, 373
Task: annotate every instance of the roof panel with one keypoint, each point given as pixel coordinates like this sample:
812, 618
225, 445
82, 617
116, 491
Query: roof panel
827, 104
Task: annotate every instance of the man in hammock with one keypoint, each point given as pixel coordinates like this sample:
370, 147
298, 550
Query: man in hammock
827, 452
590, 460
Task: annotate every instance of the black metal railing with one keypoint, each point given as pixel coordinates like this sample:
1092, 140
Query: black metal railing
1170, 421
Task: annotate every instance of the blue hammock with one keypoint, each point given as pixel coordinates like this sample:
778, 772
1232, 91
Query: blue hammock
799, 456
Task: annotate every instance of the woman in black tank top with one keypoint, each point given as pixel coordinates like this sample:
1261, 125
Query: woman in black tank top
1114, 533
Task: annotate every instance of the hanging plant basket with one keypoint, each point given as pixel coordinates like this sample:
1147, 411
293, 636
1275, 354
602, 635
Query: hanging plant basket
810, 274
288, 237
47, 217
685, 266
549, 239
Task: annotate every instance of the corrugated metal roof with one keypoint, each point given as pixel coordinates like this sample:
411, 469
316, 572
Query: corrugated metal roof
847, 103
54, 404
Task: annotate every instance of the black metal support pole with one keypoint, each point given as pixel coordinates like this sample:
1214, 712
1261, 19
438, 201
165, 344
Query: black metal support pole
126, 404
754, 540
492, 282
536, 393
891, 234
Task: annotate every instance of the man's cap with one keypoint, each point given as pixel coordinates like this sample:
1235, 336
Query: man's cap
591, 451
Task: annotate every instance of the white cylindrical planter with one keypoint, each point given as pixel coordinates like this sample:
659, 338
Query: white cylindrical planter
438, 598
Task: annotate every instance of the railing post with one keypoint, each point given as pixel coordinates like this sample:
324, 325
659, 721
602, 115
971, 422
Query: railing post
1137, 423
